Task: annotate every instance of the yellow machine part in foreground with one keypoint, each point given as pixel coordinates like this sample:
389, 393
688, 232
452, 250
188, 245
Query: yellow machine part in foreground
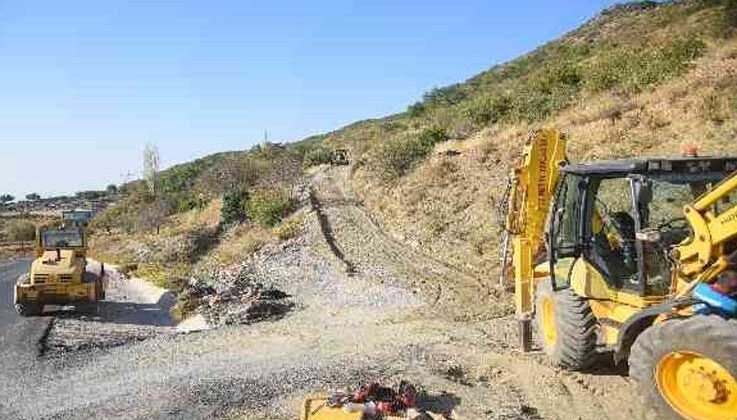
316, 408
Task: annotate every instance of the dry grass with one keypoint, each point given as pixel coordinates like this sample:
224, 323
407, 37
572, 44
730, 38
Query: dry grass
290, 227
239, 243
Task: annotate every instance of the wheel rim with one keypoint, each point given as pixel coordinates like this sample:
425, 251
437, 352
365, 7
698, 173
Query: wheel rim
697, 387
550, 332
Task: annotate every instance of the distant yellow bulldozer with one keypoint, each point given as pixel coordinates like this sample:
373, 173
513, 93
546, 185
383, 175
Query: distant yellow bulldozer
635, 258
59, 274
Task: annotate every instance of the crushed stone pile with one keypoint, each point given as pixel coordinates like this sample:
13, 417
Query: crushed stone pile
235, 296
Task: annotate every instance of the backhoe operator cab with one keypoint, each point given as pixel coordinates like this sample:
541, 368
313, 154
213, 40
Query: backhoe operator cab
610, 235
59, 274
621, 219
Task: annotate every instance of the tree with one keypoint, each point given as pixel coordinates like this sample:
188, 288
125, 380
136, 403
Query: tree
33, 197
111, 189
233, 175
6, 198
21, 230
153, 215
234, 207
89, 195
151, 167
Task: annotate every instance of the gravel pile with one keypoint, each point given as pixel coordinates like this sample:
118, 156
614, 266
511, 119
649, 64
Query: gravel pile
235, 296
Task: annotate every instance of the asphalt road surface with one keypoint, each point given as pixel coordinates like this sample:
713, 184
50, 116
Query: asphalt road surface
19, 337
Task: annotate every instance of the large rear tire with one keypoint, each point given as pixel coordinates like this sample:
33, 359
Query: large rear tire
686, 368
566, 327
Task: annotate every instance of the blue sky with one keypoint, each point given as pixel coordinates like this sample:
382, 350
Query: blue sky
85, 84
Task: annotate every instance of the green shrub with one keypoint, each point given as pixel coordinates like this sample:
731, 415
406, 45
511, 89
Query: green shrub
444, 96
731, 12
535, 96
20, 230
184, 202
416, 110
317, 156
635, 69
400, 154
533, 104
303, 147
187, 304
488, 109
269, 206
234, 208
552, 78
289, 227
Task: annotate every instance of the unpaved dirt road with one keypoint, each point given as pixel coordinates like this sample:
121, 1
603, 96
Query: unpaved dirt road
367, 308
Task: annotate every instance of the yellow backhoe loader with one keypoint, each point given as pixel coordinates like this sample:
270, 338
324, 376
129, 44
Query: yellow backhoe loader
631, 258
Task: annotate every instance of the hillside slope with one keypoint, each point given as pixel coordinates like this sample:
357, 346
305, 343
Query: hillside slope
639, 79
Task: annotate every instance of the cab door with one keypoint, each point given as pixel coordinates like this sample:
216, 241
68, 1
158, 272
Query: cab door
564, 228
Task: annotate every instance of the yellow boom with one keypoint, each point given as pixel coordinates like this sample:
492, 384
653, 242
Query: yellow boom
532, 188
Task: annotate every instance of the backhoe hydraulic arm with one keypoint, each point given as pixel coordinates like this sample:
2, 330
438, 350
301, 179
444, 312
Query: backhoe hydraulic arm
713, 219
532, 187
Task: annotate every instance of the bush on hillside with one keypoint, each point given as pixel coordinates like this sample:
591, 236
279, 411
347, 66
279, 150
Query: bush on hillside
20, 230
186, 201
317, 156
289, 227
532, 104
635, 69
303, 147
542, 91
399, 155
113, 218
153, 214
416, 110
234, 208
731, 13
488, 109
445, 96
268, 207
231, 175
186, 247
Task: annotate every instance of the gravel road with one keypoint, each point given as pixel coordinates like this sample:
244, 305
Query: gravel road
366, 308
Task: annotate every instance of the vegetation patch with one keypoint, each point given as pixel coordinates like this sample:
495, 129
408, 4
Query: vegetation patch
318, 156
399, 155
290, 227
234, 208
268, 207
635, 69
20, 231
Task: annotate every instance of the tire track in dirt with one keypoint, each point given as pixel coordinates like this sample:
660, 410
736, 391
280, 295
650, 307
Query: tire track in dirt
328, 234
365, 244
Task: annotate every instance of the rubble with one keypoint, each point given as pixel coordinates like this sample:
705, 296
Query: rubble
236, 296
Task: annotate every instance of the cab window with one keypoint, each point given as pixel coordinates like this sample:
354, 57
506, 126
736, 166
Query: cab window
611, 227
